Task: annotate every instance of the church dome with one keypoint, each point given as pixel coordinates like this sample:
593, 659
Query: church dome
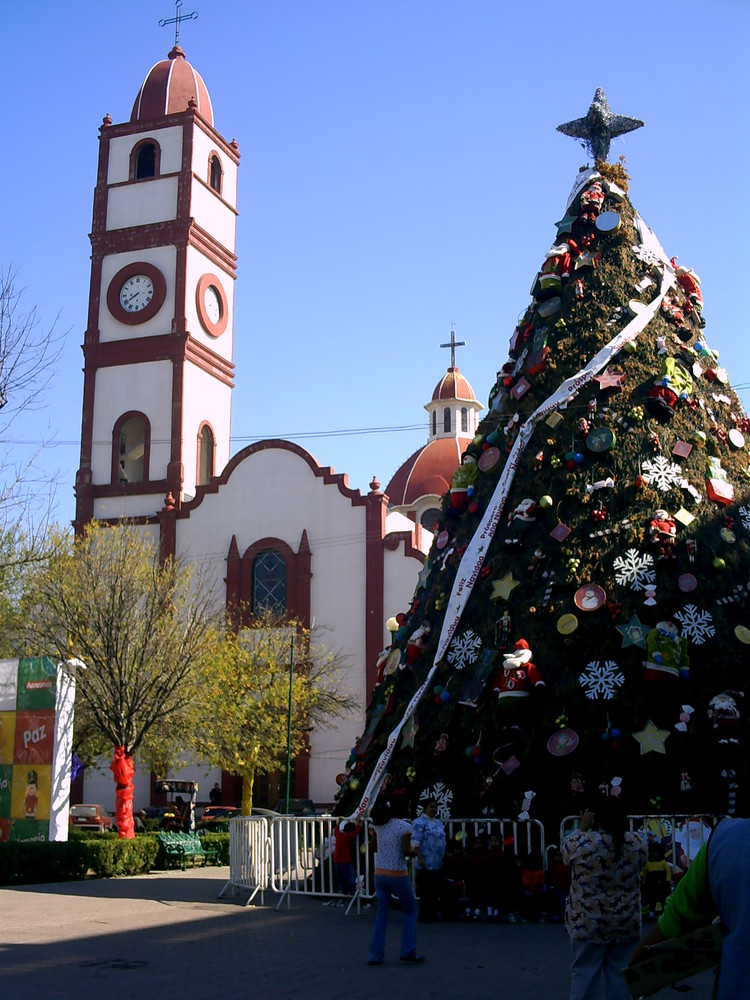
453, 386
169, 88
428, 472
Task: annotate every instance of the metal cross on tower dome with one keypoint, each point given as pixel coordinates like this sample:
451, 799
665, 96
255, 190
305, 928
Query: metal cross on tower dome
453, 345
177, 20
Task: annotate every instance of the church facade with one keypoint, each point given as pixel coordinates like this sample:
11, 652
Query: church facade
155, 446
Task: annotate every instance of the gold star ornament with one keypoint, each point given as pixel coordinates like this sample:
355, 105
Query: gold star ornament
651, 738
501, 589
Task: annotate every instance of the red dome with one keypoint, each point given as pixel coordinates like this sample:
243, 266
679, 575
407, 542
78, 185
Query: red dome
168, 88
428, 471
453, 386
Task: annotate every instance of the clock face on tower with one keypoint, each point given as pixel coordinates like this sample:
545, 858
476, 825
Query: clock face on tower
211, 302
136, 293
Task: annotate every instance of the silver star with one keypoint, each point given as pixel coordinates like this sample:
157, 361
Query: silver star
599, 127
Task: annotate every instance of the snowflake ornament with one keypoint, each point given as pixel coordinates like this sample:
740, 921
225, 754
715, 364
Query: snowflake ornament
464, 649
744, 513
696, 625
600, 680
442, 795
647, 256
636, 569
662, 473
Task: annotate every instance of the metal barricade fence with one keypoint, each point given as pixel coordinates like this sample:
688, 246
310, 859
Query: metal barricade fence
293, 855
249, 856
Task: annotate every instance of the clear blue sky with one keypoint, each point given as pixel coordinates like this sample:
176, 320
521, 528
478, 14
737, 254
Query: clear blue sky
400, 172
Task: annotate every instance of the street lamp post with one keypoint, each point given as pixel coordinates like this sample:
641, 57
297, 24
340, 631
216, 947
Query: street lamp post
289, 725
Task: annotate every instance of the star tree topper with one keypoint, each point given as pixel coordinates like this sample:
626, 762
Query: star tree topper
599, 127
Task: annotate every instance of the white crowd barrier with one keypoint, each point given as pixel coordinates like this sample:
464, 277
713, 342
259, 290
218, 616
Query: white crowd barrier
293, 855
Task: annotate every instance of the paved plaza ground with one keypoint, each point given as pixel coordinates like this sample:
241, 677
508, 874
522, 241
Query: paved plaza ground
169, 935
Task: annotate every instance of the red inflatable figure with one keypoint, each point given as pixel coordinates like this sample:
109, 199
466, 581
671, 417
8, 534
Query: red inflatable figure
123, 770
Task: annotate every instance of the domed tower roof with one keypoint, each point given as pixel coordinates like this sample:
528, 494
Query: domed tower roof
168, 89
421, 481
428, 472
453, 386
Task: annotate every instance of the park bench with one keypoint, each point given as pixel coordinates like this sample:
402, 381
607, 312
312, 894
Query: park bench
179, 848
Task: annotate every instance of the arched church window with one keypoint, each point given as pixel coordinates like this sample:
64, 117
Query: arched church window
145, 164
464, 420
145, 160
447, 420
269, 583
131, 440
205, 455
434, 422
215, 173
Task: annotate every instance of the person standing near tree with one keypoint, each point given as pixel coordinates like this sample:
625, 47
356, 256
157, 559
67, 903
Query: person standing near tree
214, 796
428, 841
603, 912
392, 846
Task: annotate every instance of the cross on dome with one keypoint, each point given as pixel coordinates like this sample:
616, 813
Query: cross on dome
453, 345
177, 20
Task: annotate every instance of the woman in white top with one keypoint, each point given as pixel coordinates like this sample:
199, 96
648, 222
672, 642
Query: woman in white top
392, 846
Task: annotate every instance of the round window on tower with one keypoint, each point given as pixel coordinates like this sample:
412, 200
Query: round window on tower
211, 302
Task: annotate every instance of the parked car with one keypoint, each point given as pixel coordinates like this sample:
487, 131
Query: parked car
89, 816
297, 807
213, 813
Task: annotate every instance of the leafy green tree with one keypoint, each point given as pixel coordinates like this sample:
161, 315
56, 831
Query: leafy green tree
141, 627
249, 721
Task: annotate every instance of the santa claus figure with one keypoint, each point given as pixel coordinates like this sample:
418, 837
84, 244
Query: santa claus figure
416, 644
662, 532
592, 200
725, 716
667, 652
518, 675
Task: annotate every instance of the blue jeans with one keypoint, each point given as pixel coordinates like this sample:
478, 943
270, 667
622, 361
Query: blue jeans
588, 960
400, 887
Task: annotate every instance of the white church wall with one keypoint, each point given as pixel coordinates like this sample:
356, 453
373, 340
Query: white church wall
112, 329
140, 204
274, 493
169, 141
99, 787
205, 399
212, 214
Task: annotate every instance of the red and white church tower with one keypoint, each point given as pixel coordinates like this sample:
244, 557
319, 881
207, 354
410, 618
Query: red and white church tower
158, 371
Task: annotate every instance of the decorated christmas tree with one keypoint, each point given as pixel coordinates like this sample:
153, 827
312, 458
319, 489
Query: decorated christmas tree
581, 623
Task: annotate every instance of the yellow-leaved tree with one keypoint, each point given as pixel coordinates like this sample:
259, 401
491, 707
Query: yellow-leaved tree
248, 720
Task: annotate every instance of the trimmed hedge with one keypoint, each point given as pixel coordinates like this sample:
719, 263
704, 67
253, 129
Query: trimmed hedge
100, 855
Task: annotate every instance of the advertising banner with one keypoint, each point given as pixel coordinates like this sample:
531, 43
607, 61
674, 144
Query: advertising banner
36, 735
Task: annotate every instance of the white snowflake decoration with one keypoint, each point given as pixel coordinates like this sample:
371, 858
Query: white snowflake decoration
636, 569
600, 680
696, 625
648, 256
745, 517
662, 473
464, 649
442, 795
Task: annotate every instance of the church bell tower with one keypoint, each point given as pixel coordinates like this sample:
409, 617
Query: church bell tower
158, 346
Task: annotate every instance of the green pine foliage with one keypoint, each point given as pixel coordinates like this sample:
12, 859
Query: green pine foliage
469, 740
